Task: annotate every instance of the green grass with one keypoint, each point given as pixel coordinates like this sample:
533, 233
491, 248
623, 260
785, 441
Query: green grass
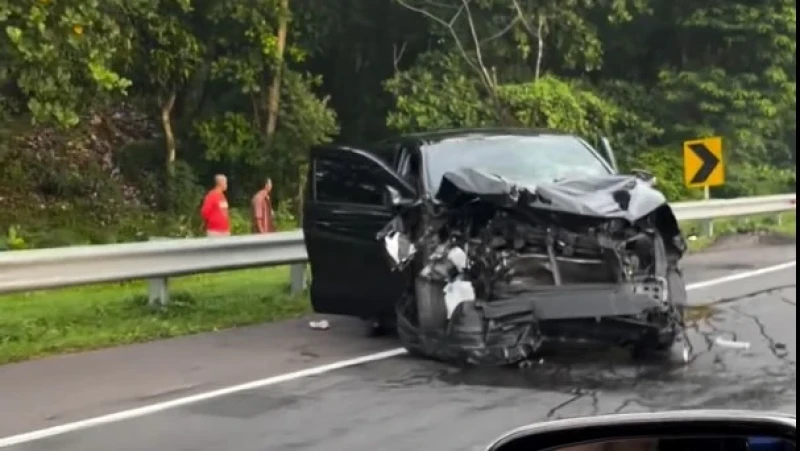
51, 322
726, 227
41, 323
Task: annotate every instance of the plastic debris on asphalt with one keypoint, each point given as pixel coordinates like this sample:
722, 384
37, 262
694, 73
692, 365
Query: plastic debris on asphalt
319, 325
732, 343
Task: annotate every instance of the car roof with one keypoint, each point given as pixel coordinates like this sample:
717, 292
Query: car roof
429, 138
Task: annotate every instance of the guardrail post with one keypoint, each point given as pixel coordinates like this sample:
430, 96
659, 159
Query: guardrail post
709, 227
157, 288
297, 275
158, 292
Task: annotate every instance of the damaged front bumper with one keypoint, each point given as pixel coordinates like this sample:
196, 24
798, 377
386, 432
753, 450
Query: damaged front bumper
526, 311
510, 330
496, 281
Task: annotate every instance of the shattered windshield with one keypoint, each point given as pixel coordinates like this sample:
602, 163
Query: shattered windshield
528, 159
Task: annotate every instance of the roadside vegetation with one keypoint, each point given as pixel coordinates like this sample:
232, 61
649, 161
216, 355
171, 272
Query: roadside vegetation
115, 114
76, 319
775, 225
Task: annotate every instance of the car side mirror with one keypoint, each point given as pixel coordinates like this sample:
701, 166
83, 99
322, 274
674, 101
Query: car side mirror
658, 431
612, 159
397, 199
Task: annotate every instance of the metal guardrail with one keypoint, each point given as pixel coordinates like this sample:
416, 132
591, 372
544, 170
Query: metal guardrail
153, 260
727, 208
158, 260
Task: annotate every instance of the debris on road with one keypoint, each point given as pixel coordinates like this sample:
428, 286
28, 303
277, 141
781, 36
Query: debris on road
319, 325
732, 343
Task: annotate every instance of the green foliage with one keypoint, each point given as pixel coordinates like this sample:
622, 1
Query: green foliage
732, 105
173, 51
436, 94
665, 164
246, 42
13, 241
61, 54
53, 322
184, 190
231, 136
555, 104
137, 103
747, 179
678, 70
425, 103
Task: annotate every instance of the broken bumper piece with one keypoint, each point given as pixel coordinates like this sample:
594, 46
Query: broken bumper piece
511, 330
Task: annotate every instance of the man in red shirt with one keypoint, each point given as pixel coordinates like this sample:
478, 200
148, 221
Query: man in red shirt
215, 209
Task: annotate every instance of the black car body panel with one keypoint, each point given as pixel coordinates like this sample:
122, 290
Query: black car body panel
616, 196
492, 268
347, 263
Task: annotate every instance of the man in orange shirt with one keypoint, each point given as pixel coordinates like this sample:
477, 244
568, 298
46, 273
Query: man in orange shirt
261, 207
215, 209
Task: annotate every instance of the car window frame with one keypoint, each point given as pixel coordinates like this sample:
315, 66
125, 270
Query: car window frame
385, 177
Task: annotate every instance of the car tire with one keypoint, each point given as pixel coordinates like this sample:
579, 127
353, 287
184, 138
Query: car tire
431, 309
671, 347
672, 351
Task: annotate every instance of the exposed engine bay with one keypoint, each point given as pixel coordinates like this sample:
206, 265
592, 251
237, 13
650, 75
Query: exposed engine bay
501, 269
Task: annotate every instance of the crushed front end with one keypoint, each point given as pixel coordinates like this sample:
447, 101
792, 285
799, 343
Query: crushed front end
496, 279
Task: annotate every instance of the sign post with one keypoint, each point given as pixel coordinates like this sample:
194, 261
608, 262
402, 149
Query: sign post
704, 167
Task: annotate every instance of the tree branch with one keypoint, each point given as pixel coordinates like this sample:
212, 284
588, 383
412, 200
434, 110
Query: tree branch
477, 43
537, 34
502, 32
487, 78
397, 55
480, 71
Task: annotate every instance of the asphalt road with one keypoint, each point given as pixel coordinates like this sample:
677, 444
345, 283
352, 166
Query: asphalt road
402, 403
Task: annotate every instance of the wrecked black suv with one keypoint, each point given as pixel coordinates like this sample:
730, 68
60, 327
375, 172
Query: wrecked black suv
483, 246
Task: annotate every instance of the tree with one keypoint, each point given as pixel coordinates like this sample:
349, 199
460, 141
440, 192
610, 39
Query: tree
252, 55
717, 87
167, 54
60, 55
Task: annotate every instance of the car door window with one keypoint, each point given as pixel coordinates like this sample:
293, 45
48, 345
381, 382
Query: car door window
346, 180
409, 167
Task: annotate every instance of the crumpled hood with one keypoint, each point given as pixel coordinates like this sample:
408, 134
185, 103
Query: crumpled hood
613, 196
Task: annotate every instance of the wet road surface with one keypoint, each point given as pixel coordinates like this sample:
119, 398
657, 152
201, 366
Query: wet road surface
404, 403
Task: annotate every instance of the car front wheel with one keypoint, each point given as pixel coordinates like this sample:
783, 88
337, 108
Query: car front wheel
431, 309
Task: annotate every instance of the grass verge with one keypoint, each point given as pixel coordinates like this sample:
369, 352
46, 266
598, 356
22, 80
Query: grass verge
698, 241
49, 322
42, 323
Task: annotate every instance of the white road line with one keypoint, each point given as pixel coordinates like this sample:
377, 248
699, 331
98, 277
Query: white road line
741, 275
161, 406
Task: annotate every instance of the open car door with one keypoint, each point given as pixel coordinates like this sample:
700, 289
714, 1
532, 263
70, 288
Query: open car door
347, 203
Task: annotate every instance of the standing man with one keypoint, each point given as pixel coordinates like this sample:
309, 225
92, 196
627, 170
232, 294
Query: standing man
215, 209
261, 207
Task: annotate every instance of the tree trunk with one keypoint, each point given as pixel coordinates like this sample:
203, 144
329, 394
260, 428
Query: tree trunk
169, 135
275, 87
539, 48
